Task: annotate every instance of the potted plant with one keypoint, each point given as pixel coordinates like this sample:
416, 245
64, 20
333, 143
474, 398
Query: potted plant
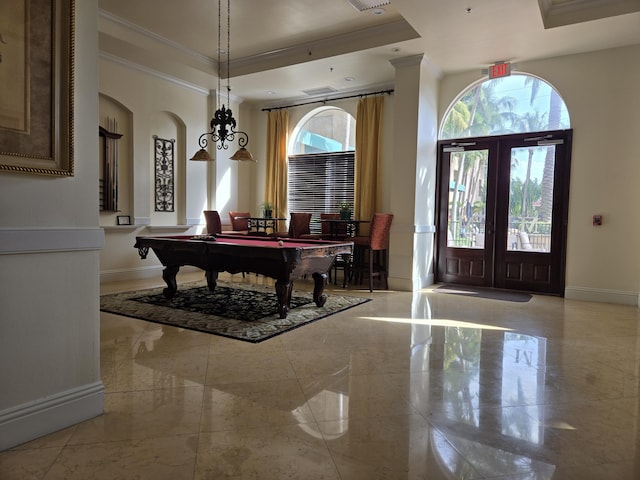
345, 209
267, 209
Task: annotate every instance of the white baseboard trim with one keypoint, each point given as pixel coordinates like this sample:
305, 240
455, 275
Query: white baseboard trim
400, 284
34, 419
124, 274
601, 295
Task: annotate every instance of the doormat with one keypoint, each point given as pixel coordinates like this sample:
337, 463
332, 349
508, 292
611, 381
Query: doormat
488, 293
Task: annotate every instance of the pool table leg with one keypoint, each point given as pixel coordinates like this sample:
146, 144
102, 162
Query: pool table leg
212, 279
319, 281
169, 276
283, 292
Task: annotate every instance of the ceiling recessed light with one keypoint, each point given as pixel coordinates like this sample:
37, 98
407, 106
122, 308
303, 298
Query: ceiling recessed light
349, 79
379, 11
270, 92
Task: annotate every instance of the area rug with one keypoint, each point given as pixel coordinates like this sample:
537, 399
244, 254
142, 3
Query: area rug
235, 310
489, 293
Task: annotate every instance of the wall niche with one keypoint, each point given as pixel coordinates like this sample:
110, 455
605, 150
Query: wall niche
116, 161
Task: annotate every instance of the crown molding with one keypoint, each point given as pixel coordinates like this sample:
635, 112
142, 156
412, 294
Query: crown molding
379, 35
154, 73
570, 12
199, 57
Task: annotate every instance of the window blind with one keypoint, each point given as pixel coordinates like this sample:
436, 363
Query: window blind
318, 181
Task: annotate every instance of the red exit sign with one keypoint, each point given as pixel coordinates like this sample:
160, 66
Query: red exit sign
500, 70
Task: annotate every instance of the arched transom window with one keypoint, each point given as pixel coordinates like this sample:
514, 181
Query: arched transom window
519, 103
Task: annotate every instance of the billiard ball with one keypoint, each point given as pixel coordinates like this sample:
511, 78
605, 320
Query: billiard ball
280, 242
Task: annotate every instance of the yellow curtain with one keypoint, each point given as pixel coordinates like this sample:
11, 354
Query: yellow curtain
368, 152
277, 140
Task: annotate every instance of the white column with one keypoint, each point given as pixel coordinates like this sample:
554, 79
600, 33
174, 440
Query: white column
415, 130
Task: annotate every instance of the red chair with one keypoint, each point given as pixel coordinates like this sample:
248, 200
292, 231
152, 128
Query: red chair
239, 222
371, 252
299, 225
214, 224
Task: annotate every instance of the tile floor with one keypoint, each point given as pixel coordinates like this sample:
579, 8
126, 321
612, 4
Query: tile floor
408, 386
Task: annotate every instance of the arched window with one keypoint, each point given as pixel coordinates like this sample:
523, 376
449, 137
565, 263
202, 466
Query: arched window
326, 129
519, 103
321, 163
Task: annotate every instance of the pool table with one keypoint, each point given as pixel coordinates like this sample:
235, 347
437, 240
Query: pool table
283, 259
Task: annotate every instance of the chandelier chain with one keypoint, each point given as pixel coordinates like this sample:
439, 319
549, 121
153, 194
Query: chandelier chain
228, 50
223, 125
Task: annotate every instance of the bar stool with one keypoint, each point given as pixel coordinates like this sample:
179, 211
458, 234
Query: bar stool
371, 252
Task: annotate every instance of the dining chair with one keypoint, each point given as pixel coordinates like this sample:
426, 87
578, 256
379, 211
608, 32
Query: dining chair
299, 224
299, 227
239, 222
335, 231
371, 252
214, 224
324, 228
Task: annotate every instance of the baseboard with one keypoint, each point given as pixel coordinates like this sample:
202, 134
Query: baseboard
601, 295
34, 419
400, 284
124, 274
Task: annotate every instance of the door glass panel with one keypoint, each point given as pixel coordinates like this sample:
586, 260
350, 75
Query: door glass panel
531, 198
467, 199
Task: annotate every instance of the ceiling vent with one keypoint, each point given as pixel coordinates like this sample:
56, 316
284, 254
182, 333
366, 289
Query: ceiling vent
320, 91
362, 5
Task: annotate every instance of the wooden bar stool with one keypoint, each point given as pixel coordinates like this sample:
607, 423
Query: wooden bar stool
371, 252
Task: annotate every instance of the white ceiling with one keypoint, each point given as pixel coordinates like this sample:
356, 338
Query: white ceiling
279, 48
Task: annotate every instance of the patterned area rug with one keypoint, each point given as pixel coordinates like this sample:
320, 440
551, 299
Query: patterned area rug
241, 311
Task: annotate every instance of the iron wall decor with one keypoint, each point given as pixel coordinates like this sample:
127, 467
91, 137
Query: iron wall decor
164, 181
37, 67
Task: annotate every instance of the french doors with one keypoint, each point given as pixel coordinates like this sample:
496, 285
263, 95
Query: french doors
502, 207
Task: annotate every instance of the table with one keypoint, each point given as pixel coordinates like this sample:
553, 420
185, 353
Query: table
351, 226
294, 258
261, 225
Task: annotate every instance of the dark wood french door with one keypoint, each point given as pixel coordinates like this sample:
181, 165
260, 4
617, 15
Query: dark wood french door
502, 206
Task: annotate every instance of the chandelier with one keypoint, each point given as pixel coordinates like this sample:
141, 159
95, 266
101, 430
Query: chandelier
223, 125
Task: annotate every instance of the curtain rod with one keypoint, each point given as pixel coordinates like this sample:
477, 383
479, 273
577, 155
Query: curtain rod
380, 92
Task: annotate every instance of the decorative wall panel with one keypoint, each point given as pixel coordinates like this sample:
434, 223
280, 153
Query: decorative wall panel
164, 168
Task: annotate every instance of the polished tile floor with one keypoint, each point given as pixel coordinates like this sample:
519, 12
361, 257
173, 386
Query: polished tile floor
420, 385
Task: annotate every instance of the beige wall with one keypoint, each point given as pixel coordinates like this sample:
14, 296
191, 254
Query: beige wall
163, 106
49, 276
602, 96
601, 263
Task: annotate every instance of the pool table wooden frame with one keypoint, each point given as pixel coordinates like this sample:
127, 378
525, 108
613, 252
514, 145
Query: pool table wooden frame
295, 258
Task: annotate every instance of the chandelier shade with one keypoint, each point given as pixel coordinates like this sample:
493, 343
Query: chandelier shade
243, 155
202, 156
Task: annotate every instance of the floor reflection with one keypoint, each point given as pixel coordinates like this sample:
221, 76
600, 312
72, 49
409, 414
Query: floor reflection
413, 385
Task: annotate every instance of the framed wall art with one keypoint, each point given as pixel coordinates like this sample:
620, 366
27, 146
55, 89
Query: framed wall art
124, 220
37, 67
